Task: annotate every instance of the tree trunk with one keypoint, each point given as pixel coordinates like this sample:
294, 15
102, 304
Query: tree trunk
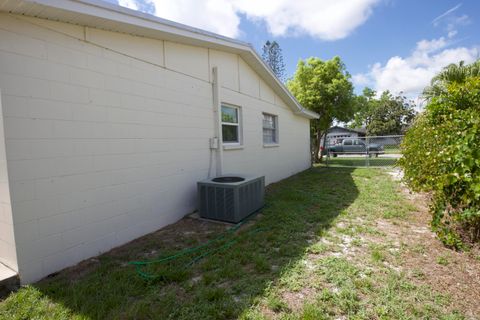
312, 149
324, 144
316, 147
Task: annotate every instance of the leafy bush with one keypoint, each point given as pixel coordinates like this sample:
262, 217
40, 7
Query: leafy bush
441, 155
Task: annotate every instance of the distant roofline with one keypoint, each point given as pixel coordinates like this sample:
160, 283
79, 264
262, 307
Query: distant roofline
348, 129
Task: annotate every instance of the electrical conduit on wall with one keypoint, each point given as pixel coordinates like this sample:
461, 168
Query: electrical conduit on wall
217, 116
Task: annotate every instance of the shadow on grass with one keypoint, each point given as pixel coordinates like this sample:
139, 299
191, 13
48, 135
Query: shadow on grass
220, 286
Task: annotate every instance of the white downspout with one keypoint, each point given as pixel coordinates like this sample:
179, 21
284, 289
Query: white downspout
217, 116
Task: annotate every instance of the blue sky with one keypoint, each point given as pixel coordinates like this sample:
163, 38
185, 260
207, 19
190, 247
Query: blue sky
386, 44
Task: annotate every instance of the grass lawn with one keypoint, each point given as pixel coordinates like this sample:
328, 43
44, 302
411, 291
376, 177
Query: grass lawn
331, 243
392, 150
361, 161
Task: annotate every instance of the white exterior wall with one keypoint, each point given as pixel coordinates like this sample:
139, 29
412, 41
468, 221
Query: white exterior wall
277, 162
8, 255
106, 135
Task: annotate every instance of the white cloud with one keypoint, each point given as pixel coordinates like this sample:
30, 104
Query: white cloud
412, 74
131, 4
452, 33
323, 19
361, 79
218, 16
428, 46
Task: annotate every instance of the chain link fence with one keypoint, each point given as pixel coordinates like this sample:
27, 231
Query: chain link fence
374, 151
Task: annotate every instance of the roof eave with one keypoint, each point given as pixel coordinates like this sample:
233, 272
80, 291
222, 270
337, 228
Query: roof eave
294, 104
308, 114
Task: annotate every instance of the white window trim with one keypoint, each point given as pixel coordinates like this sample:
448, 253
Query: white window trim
271, 145
277, 135
237, 144
233, 147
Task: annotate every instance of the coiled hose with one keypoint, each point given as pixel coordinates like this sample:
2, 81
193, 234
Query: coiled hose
205, 249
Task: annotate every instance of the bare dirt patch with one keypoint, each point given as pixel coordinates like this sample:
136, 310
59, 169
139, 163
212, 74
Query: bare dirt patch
427, 261
296, 300
456, 274
150, 246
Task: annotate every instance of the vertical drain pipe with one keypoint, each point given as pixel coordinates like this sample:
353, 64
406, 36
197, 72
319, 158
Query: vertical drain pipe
217, 115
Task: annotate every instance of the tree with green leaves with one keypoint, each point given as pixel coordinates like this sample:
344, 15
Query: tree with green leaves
387, 115
272, 55
364, 105
323, 87
453, 73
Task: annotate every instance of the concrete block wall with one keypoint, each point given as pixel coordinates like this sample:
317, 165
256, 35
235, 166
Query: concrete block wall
8, 254
242, 87
277, 162
106, 135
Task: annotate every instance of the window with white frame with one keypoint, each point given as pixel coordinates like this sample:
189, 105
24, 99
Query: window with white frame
231, 124
270, 129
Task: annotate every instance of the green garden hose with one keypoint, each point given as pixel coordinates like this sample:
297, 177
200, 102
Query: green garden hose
139, 265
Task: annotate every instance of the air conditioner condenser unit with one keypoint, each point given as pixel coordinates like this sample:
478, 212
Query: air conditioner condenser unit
230, 198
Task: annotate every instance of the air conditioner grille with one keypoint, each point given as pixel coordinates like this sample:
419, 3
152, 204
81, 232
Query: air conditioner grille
230, 202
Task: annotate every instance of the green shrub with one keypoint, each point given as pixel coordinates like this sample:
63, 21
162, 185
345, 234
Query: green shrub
441, 155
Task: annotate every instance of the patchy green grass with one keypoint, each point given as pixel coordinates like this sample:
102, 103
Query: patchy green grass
310, 259
392, 149
377, 253
361, 161
443, 260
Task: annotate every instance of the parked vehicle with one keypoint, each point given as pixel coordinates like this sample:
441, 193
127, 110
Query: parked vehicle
356, 146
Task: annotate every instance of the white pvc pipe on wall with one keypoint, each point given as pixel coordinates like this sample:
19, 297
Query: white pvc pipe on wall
217, 113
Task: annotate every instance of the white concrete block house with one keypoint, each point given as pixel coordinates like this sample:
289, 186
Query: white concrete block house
107, 120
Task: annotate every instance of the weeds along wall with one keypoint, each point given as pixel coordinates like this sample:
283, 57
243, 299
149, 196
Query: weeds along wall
106, 135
